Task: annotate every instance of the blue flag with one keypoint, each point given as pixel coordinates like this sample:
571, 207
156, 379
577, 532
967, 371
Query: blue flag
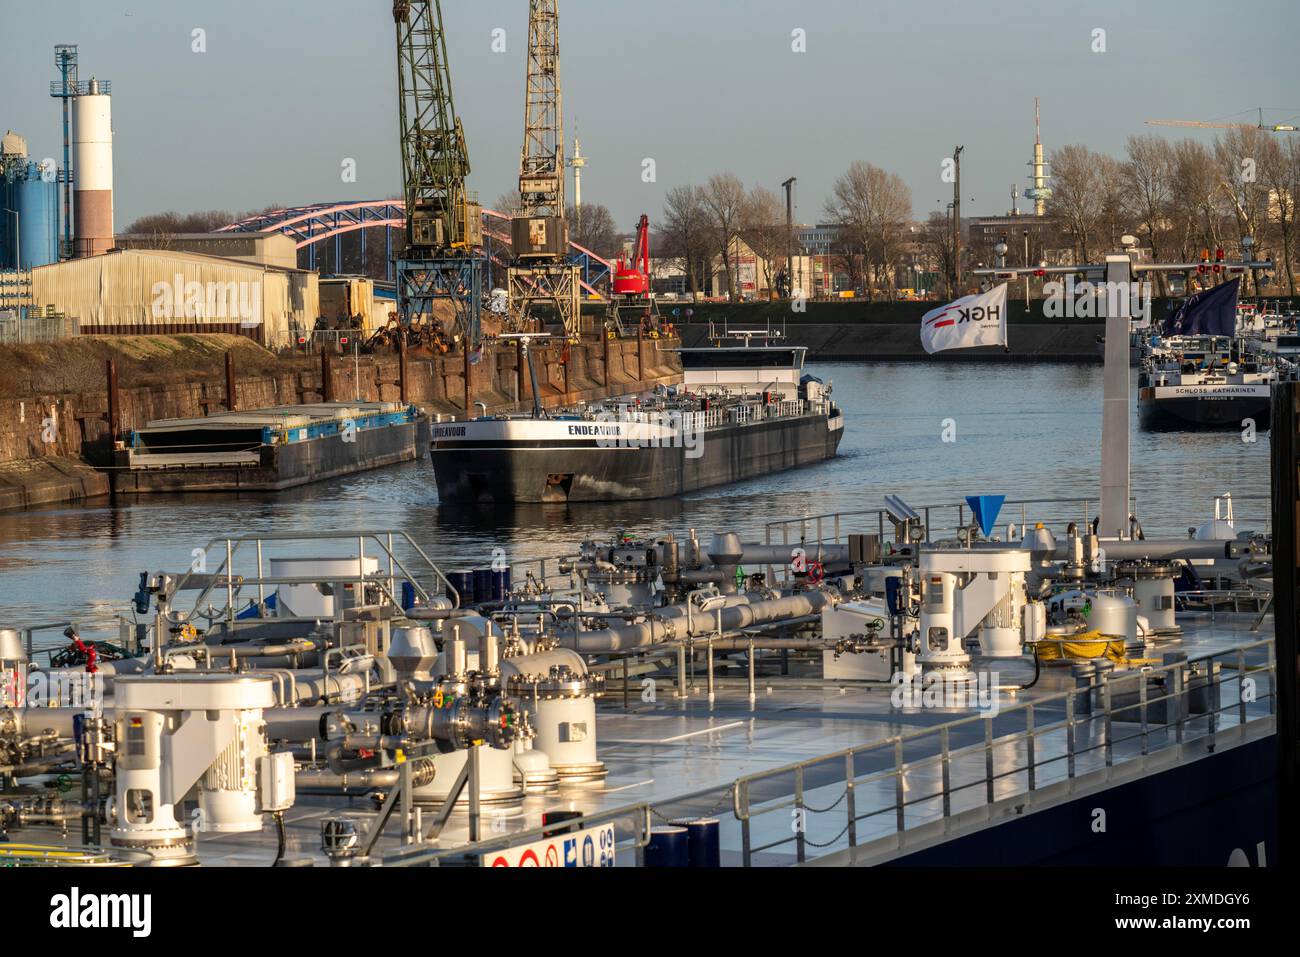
1209, 313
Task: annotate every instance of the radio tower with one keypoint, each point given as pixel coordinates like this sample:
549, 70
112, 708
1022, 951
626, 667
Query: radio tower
577, 161
540, 272
1040, 192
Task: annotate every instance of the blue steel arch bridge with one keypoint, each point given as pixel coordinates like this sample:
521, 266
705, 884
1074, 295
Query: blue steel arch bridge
313, 225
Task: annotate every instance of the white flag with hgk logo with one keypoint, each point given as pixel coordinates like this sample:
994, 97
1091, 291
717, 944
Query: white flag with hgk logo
979, 320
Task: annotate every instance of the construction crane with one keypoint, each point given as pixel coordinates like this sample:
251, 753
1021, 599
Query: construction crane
630, 300
632, 277
1261, 125
444, 224
540, 272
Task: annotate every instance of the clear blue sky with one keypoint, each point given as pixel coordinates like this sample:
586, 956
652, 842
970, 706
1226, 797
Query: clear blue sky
289, 88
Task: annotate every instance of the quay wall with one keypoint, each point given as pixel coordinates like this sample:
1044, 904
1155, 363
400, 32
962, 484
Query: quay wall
48, 432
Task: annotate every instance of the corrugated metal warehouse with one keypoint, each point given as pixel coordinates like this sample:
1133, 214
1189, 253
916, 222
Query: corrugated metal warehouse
139, 291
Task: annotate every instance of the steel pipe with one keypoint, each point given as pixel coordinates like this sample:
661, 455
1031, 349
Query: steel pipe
674, 623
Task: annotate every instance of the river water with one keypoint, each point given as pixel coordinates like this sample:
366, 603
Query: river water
1024, 431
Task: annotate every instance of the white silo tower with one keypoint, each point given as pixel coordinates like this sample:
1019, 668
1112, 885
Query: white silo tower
92, 165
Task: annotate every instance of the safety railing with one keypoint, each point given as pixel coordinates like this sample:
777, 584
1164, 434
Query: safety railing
937, 521
784, 409
1059, 738
832, 527
226, 578
28, 635
699, 421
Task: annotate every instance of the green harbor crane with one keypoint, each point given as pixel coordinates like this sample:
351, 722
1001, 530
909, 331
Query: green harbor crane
444, 224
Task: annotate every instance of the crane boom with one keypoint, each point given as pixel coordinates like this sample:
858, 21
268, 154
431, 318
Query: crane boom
541, 163
540, 272
444, 223
1198, 124
435, 161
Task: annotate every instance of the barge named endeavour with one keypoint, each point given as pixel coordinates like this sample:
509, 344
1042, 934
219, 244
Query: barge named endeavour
741, 411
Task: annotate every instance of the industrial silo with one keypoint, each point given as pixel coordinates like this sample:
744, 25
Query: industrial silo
13, 157
37, 200
6, 222
92, 164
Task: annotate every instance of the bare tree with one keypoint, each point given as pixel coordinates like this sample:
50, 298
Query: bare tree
166, 225
764, 230
893, 223
684, 233
1279, 169
1239, 152
595, 230
1197, 203
724, 201
1077, 196
873, 209
936, 240
508, 204
1148, 188
1115, 217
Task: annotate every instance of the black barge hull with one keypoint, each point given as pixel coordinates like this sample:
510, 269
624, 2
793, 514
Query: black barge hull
585, 471
1204, 413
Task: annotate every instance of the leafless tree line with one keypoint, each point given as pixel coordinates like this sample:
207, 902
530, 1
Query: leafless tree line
1180, 198
701, 226
705, 224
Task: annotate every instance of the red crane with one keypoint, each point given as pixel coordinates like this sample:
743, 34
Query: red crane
633, 279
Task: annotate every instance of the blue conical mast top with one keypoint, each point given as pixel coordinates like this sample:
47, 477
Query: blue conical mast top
985, 508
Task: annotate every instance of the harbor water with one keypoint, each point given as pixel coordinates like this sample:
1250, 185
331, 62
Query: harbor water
930, 433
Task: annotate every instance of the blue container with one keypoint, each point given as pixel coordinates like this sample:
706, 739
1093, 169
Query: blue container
7, 201
463, 582
704, 837
668, 847
483, 585
501, 584
38, 219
